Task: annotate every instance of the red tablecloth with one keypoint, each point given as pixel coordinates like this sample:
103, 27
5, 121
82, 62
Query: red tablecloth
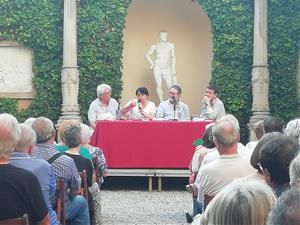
147, 144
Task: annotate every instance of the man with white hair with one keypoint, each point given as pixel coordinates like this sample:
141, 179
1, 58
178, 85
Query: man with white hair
17, 185
214, 176
103, 107
40, 168
294, 171
76, 208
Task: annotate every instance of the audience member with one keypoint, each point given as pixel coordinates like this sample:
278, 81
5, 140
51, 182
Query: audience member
103, 107
76, 208
275, 157
294, 171
254, 160
40, 168
258, 130
293, 129
29, 121
173, 109
212, 107
273, 124
287, 209
17, 185
139, 108
240, 203
94, 151
213, 177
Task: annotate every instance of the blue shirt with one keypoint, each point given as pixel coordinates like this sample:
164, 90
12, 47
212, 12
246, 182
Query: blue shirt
166, 111
42, 170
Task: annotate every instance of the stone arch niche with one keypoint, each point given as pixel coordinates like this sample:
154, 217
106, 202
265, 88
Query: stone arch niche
16, 73
188, 27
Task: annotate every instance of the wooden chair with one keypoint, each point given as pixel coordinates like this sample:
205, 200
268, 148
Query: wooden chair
207, 199
60, 201
16, 221
96, 165
84, 186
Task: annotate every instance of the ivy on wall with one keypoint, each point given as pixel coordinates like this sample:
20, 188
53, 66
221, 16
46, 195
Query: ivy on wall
38, 25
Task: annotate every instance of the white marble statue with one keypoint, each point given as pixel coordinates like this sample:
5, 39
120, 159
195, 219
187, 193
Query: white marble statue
164, 63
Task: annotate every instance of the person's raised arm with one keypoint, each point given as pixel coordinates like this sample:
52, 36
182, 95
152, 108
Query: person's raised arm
128, 107
148, 55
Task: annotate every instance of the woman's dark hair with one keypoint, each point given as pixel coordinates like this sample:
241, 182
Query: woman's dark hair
142, 90
208, 141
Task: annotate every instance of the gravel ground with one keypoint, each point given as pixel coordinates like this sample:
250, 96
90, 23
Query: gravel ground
127, 207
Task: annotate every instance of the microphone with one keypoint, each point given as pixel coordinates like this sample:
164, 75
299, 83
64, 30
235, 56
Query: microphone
139, 104
174, 100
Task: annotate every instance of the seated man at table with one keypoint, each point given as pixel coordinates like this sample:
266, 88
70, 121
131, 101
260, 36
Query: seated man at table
173, 109
212, 107
103, 107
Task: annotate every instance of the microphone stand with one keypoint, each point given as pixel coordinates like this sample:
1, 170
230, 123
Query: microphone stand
174, 103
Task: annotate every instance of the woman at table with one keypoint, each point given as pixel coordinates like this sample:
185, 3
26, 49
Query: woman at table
139, 108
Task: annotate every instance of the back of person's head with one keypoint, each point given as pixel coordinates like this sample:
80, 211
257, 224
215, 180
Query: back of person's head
287, 209
72, 136
226, 131
177, 87
102, 88
9, 134
27, 138
258, 129
29, 121
213, 88
273, 124
85, 134
142, 90
294, 171
254, 160
208, 140
293, 129
243, 201
44, 129
276, 155
231, 118
62, 127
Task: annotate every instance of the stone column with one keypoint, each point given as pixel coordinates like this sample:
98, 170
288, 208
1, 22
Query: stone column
260, 71
70, 73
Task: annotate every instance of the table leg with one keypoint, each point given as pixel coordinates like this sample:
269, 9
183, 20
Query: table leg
150, 184
159, 183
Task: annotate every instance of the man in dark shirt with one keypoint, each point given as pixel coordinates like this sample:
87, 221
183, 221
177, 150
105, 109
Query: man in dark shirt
20, 191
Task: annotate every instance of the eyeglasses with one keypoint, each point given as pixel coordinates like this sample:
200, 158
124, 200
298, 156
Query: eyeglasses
173, 93
260, 166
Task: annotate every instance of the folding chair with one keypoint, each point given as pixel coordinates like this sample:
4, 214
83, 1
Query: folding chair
84, 186
16, 221
60, 201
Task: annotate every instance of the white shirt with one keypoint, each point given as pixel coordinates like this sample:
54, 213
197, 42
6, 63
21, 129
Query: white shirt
166, 110
97, 109
135, 114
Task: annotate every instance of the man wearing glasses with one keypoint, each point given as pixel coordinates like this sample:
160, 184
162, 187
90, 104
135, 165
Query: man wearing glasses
173, 109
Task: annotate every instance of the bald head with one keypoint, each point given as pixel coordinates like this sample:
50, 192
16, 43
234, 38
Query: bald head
9, 134
27, 138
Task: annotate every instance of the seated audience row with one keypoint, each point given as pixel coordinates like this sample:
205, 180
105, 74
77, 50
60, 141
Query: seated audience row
106, 108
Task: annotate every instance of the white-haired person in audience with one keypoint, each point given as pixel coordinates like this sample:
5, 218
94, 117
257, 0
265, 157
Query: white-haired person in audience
242, 202
139, 108
76, 207
29, 121
275, 158
287, 209
40, 168
20, 191
94, 151
103, 107
214, 176
258, 130
293, 129
294, 171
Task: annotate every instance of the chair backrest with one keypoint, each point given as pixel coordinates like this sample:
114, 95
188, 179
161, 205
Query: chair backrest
84, 186
16, 221
207, 199
60, 201
96, 165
